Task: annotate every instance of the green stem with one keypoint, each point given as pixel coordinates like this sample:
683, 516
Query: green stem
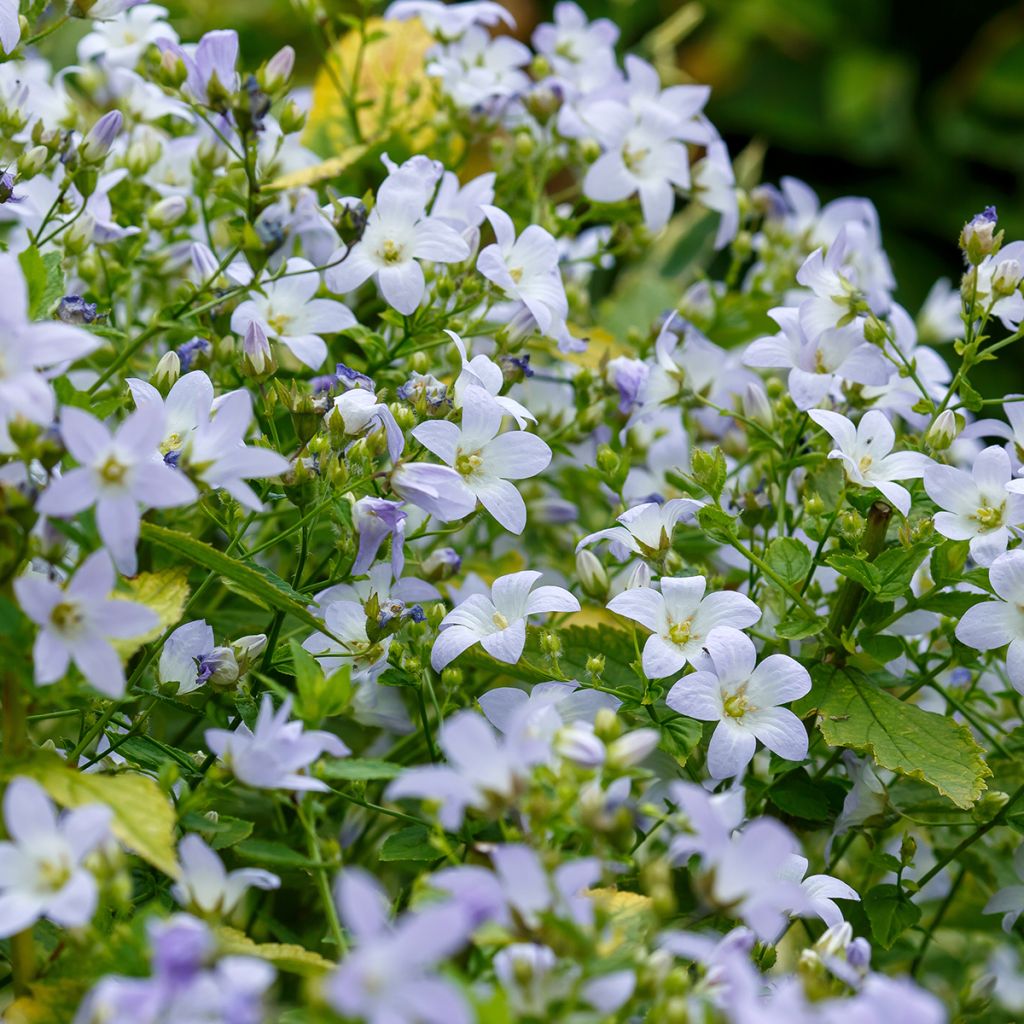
322, 881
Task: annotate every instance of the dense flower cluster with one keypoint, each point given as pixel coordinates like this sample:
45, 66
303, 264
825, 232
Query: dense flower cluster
469, 557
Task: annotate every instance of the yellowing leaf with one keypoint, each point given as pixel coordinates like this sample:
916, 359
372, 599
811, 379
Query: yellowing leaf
144, 819
856, 713
47, 1002
284, 956
323, 171
631, 915
166, 593
394, 92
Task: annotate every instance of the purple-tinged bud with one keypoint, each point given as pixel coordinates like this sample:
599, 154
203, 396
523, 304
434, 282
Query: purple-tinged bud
101, 137
979, 237
181, 946
256, 348
440, 564
278, 70
78, 237
73, 309
168, 211
192, 350
577, 743
858, 953
632, 748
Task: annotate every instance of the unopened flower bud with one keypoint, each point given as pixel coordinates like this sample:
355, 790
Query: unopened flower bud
278, 70
577, 743
756, 406
875, 330
97, 143
607, 725
835, 939
167, 371
595, 665
247, 649
943, 432
257, 355
78, 237
32, 161
1006, 277
640, 576
224, 667
73, 309
591, 574
168, 211
292, 118
440, 564
632, 748
979, 237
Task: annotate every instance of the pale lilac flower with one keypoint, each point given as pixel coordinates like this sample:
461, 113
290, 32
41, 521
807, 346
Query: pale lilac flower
211, 65
744, 700
287, 312
977, 506
100, 137
483, 770
571, 40
190, 657
361, 413
867, 456
390, 976
821, 890
481, 73
993, 624
397, 236
643, 155
78, 622
218, 456
711, 819
122, 41
506, 706
680, 618
1009, 901
817, 365
629, 377
10, 26
438, 490
481, 371
449, 21
836, 301
41, 872
206, 885
498, 623
526, 270
122, 474
520, 887
714, 186
345, 642
485, 459
274, 754
375, 519
27, 348
646, 530
526, 972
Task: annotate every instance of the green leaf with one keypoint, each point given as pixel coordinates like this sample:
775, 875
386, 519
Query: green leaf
681, 736
888, 576
948, 561
144, 818
799, 626
953, 604
890, 912
273, 854
717, 524
796, 794
789, 559
45, 280
320, 696
709, 470
260, 584
409, 843
854, 712
224, 832
360, 769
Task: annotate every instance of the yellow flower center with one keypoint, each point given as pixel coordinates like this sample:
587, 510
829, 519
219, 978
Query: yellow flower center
736, 705
54, 874
516, 273
865, 463
279, 323
990, 517
391, 253
681, 632
112, 471
66, 616
499, 620
467, 465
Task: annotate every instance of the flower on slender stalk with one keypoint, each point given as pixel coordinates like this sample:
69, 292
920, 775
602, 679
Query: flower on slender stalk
375, 519
78, 622
206, 885
993, 624
398, 235
821, 890
438, 490
390, 976
485, 459
211, 65
526, 270
41, 872
190, 658
681, 618
482, 371
498, 622
867, 456
647, 529
287, 312
274, 754
361, 413
122, 474
743, 697
977, 506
